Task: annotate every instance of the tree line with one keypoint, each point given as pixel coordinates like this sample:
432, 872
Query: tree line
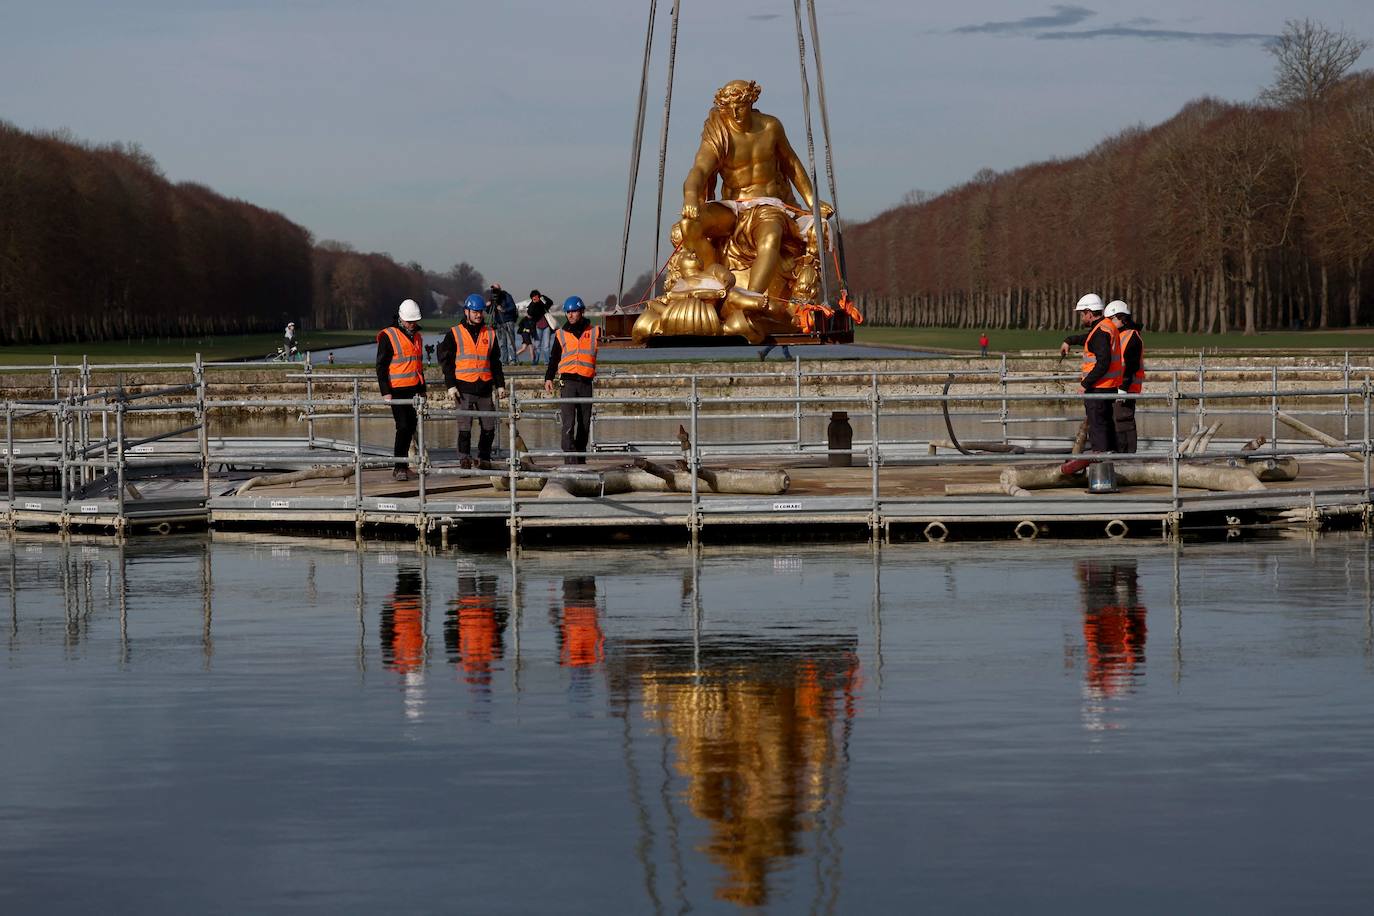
97, 244
1227, 217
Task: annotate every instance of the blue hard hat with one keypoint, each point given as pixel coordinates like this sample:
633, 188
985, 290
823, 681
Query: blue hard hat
475, 303
574, 304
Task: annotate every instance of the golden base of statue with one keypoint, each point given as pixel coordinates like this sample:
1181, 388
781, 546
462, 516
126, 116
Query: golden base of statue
746, 260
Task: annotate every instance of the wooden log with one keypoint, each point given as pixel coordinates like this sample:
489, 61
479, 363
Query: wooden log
1140, 473
293, 478
1193, 476
639, 480
975, 489
1313, 433
1201, 445
1284, 467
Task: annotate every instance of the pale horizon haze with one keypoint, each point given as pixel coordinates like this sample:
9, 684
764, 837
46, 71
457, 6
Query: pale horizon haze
499, 133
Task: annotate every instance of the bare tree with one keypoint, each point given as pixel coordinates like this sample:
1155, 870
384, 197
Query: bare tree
1309, 60
466, 279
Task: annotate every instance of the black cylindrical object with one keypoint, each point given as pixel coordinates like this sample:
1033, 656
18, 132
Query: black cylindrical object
839, 436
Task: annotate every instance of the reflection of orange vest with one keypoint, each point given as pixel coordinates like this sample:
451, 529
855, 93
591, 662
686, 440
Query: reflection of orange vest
810, 694
478, 637
583, 643
405, 358
1114, 637
579, 353
408, 634
1135, 382
470, 360
1112, 378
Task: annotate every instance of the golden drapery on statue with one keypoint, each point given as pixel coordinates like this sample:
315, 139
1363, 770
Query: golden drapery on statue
746, 259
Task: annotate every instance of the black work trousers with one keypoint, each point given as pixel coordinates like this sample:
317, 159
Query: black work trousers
577, 418
404, 415
1123, 413
488, 424
1101, 425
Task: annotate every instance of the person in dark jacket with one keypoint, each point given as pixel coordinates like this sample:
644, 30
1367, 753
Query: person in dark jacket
1132, 374
470, 358
503, 313
573, 361
1102, 372
401, 376
538, 309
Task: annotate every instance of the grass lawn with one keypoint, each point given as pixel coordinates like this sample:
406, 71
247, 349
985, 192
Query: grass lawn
184, 349
1017, 340
258, 346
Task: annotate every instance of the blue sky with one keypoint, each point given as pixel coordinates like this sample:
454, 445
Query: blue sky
499, 133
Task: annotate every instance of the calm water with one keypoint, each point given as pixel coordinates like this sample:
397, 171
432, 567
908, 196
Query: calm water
237, 724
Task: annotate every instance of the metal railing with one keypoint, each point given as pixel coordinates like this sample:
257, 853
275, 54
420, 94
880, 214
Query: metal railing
78, 457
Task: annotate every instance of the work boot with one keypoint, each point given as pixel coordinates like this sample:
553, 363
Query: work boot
400, 473
465, 462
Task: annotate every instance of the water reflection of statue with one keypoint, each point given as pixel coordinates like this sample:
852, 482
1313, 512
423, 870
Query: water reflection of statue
754, 226
1113, 631
754, 732
473, 629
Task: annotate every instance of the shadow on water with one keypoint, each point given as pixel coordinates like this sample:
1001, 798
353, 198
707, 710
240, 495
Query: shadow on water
716, 727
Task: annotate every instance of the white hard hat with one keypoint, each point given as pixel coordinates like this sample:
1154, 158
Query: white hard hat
1089, 303
409, 311
1117, 307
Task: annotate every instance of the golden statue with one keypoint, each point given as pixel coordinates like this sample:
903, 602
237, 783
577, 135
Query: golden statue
753, 231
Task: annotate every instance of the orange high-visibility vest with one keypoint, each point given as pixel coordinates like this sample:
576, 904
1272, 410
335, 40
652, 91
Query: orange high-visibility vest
406, 371
583, 642
1114, 637
1137, 381
479, 638
405, 651
579, 353
1112, 378
471, 362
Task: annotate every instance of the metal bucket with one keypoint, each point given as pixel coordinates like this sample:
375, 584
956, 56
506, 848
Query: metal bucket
1102, 478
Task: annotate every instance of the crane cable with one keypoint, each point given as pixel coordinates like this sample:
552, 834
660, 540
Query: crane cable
636, 149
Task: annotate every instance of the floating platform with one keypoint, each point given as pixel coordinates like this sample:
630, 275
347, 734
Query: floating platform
905, 498
72, 464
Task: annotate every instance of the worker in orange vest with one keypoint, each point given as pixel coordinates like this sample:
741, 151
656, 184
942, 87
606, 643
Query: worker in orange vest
1114, 627
581, 644
470, 356
473, 630
573, 360
402, 631
401, 376
1102, 372
1133, 372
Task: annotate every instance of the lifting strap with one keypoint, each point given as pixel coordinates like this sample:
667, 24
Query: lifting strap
663, 138
819, 225
825, 134
638, 143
